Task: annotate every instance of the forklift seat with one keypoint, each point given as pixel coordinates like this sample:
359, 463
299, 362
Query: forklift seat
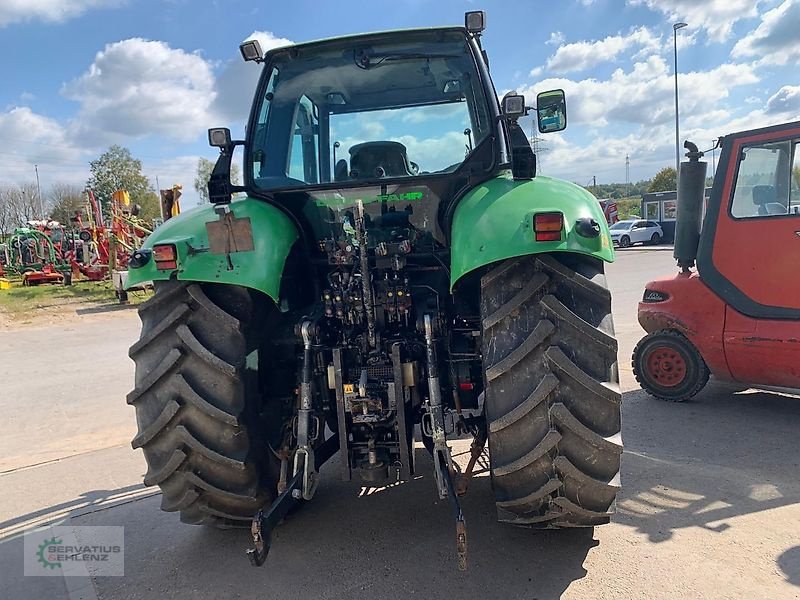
765, 198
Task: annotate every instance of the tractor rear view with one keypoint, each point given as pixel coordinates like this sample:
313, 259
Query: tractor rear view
396, 263
738, 315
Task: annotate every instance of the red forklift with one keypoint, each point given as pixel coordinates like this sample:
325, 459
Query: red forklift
733, 310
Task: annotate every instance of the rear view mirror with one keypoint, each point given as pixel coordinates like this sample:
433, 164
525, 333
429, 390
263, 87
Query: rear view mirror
551, 111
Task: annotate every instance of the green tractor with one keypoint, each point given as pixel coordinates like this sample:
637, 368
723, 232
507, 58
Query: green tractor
391, 261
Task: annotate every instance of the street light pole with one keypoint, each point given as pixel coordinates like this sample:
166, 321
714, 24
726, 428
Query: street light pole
39, 192
675, 28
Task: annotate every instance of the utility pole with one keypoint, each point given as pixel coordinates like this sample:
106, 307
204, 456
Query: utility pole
627, 171
594, 184
39, 192
537, 146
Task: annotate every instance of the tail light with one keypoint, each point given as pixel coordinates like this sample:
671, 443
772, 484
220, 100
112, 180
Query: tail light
547, 227
165, 256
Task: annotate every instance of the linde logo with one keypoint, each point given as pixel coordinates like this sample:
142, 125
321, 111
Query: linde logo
653, 296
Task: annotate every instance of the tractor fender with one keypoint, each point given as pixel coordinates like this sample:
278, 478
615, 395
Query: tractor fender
494, 221
273, 234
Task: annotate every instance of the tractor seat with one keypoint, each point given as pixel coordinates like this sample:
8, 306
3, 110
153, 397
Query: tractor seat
379, 159
766, 198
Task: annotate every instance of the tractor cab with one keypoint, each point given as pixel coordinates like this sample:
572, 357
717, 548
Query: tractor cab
738, 315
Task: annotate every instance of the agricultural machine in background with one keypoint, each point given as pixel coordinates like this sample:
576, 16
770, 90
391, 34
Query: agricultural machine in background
371, 282
737, 316
609, 210
93, 246
38, 253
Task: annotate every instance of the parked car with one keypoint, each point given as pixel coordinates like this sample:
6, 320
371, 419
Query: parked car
632, 231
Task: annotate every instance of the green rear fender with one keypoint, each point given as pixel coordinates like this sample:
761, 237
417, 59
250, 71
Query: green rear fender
494, 222
260, 269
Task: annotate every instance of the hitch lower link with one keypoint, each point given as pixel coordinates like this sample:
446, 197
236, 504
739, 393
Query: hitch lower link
444, 467
305, 477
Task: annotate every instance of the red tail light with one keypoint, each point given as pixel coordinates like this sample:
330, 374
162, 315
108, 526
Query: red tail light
165, 256
547, 227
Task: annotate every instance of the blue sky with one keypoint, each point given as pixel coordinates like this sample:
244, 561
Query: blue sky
79, 75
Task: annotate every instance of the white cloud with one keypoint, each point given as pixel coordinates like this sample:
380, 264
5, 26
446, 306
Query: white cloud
14, 11
644, 95
717, 17
556, 39
786, 101
776, 40
33, 139
237, 82
136, 87
651, 147
584, 55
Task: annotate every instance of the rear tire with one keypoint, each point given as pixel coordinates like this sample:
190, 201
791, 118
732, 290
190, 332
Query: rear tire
668, 366
552, 393
655, 240
194, 406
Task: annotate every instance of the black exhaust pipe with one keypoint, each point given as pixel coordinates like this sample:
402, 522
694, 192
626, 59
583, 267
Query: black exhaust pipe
691, 192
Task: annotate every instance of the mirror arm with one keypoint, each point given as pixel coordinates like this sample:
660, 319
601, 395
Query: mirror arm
220, 188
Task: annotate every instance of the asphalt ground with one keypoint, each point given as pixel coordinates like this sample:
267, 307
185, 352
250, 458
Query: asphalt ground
709, 506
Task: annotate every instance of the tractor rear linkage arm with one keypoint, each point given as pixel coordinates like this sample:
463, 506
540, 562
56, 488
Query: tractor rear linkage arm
308, 460
265, 522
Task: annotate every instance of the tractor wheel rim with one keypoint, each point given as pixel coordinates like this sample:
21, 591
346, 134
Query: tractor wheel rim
666, 366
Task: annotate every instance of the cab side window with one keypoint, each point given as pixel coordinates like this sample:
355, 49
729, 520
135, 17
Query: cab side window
765, 181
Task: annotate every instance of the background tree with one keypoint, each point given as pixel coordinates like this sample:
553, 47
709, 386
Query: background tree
117, 169
66, 200
5, 213
204, 168
21, 204
666, 180
150, 206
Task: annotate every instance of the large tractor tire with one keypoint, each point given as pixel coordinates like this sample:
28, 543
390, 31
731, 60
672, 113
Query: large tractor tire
195, 407
552, 391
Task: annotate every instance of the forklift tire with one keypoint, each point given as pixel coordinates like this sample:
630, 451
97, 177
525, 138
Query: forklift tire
552, 391
196, 423
668, 366
624, 242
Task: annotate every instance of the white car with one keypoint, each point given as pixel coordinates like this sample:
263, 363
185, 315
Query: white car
626, 233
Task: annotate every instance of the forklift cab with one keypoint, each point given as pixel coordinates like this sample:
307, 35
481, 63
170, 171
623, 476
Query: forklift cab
738, 316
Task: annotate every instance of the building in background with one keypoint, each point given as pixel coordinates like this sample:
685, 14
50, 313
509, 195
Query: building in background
662, 207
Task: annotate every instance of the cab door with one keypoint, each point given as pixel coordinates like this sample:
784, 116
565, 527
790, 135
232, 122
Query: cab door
750, 253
